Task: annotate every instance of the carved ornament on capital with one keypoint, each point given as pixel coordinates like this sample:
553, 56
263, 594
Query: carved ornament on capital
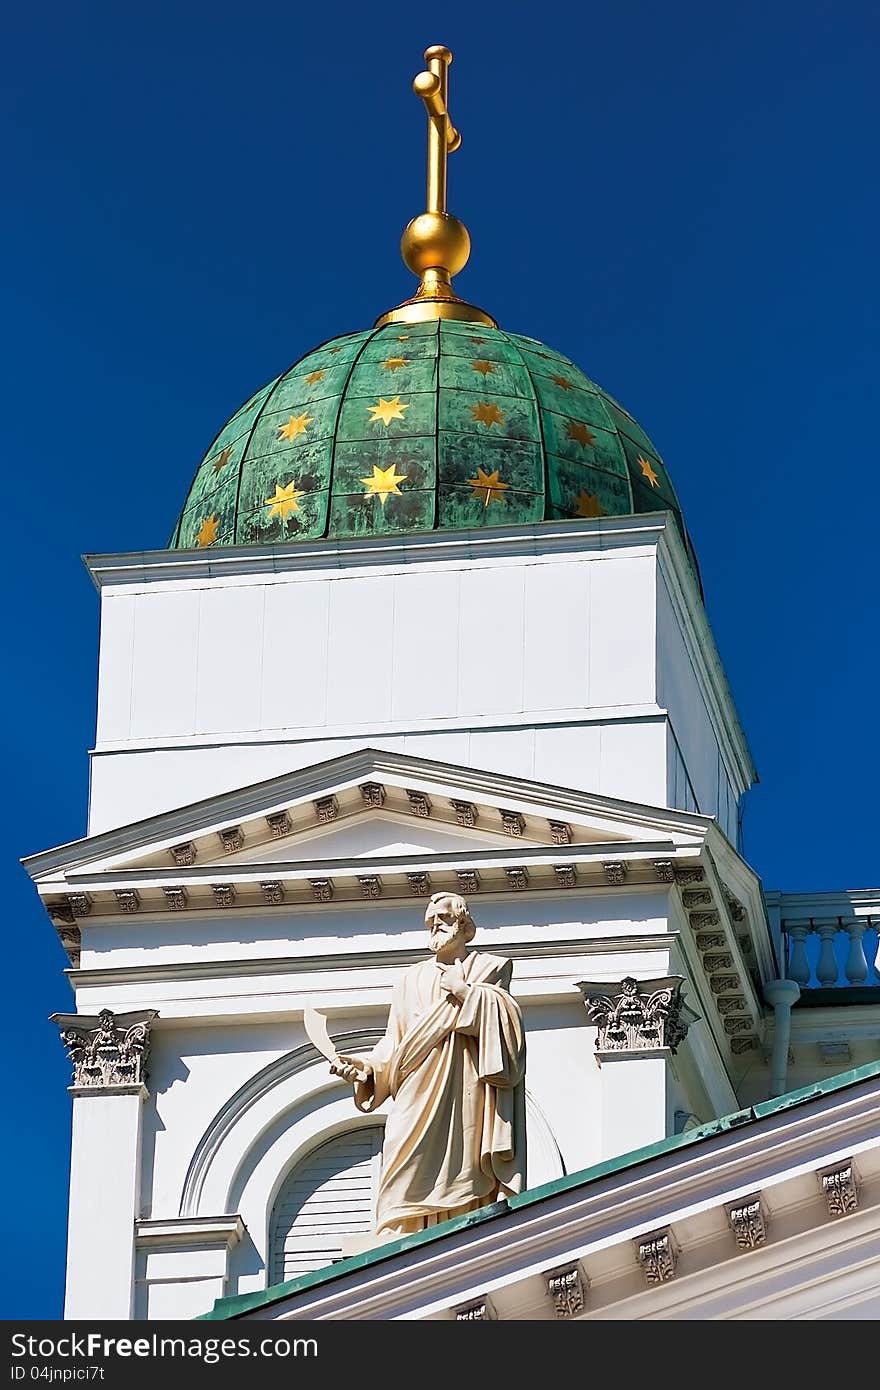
108, 1050
638, 1014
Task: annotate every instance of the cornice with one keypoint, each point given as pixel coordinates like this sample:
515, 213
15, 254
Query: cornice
825, 906
224, 1231
578, 536
301, 870
173, 972
347, 771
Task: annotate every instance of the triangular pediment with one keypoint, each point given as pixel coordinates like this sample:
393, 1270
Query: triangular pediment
364, 818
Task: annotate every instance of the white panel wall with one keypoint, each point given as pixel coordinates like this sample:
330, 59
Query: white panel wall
568, 755
164, 665
557, 636
295, 655
115, 672
622, 631
426, 649
512, 750
539, 666
680, 692
632, 761
490, 634
361, 643
193, 1071
230, 659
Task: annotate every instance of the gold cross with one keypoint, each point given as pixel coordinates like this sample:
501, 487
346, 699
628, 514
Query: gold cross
443, 138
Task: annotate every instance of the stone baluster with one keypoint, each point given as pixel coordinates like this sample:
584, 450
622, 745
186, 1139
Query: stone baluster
856, 968
798, 964
827, 969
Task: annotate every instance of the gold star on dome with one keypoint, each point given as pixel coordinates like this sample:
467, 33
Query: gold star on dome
489, 484
391, 364
648, 471
386, 411
475, 339
336, 349
207, 533
383, 483
564, 382
580, 434
586, 504
297, 424
484, 368
284, 502
487, 413
222, 459
403, 337
314, 377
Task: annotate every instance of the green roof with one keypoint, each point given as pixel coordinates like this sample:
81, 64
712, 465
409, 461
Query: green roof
237, 1304
414, 427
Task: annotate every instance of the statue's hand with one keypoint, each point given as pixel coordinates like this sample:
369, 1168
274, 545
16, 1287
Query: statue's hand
351, 1068
452, 981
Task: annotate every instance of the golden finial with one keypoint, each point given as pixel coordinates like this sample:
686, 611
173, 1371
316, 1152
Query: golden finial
435, 245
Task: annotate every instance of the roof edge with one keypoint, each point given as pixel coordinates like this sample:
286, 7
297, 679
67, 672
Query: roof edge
237, 1304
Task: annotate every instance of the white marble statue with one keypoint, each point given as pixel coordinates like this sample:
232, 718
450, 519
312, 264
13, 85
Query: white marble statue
453, 1062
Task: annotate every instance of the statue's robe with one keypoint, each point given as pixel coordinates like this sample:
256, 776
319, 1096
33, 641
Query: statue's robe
455, 1137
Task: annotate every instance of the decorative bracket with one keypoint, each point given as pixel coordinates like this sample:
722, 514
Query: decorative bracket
656, 1254
840, 1190
481, 1311
748, 1222
568, 1289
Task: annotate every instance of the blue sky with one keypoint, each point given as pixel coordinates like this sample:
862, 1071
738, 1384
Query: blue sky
681, 197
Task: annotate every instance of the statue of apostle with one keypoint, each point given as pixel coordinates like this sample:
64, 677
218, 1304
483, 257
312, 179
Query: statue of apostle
453, 1062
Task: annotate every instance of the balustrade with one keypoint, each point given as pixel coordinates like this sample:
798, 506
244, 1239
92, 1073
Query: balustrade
829, 954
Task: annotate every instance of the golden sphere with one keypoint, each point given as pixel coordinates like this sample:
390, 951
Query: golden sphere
425, 84
435, 240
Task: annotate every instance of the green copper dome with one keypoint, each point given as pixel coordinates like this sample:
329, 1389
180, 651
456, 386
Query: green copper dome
414, 427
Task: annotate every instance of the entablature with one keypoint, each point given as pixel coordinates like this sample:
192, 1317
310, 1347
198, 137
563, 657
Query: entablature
205, 867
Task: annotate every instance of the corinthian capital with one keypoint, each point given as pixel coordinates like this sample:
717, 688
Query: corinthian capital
107, 1050
637, 1014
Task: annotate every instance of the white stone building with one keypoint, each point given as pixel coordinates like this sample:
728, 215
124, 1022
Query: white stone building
484, 666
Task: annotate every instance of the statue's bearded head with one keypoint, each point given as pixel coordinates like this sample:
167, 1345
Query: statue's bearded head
446, 918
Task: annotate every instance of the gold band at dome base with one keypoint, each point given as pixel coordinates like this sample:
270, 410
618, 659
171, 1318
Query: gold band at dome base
421, 309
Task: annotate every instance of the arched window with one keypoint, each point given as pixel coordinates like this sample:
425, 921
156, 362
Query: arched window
329, 1194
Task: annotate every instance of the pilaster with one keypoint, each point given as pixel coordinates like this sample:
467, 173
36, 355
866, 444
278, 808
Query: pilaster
109, 1055
640, 1024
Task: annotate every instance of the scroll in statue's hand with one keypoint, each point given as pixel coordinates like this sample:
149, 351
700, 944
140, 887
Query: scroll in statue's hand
351, 1068
452, 981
